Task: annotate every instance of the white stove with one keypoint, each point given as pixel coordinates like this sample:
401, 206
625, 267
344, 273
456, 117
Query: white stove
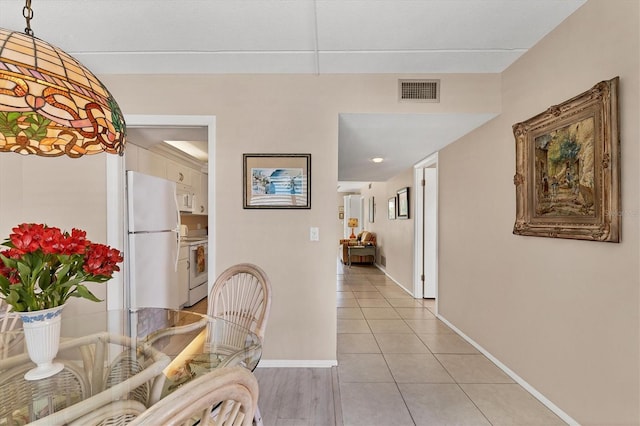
198, 268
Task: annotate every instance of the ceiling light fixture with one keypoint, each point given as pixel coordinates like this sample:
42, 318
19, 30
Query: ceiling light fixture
191, 148
51, 104
377, 159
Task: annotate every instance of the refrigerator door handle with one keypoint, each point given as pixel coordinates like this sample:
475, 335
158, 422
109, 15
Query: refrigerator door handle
177, 231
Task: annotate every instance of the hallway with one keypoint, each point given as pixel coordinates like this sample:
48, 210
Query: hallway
399, 365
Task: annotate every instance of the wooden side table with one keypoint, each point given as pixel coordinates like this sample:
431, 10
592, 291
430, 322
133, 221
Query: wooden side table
360, 251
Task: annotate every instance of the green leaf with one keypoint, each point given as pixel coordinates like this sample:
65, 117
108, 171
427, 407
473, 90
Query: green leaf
84, 292
12, 297
4, 284
63, 271
9, 263
23, 270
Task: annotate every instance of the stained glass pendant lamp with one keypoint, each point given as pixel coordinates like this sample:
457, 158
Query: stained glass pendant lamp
51, 104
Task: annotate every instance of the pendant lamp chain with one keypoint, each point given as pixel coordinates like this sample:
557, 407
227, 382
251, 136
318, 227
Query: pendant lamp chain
27, 12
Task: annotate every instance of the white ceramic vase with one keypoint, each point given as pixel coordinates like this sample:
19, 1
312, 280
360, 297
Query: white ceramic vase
42, 333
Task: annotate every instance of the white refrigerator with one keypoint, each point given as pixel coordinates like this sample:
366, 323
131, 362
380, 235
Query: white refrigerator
153, 236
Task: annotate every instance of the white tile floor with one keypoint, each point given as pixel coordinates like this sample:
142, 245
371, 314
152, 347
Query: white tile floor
399, 365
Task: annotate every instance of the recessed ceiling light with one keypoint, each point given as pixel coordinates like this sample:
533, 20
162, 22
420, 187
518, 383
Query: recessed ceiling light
190, 148
377, 159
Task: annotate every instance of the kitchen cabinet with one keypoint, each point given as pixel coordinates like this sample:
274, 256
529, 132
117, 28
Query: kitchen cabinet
151, 163
183, 275
200, 187
204, 193
179, 173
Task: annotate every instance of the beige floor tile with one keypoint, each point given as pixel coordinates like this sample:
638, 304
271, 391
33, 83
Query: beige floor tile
429, 303
373, 303
358, 283
380, 313
368, 295
472, 369
388, 326
385, 339
373, 404
363, 368
400, 343
381, 280
415, 313
347, 303
350, 313
510, 404
405, 302
428, 326
357, 269
447, 343
441, 404
417, 368
351, 343
340, 295
353, 326
359, 287
394, 293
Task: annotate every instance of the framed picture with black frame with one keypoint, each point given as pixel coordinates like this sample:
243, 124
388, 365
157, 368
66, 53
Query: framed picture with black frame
403, 203
372, 210
276, 181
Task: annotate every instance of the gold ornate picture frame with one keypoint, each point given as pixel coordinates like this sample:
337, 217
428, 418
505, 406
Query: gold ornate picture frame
568, 168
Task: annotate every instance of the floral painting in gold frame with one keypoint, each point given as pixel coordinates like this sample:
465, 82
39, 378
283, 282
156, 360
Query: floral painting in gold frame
567, 168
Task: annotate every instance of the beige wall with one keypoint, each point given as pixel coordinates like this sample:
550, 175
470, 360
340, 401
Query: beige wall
394, 238
62, 192
562, 314
287, 113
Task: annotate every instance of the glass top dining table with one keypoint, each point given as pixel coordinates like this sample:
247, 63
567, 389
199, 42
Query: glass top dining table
137, 355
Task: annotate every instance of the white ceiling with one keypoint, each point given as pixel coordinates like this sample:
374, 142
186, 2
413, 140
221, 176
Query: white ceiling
306, 36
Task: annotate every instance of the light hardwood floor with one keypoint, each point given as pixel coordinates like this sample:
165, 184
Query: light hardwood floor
295, 396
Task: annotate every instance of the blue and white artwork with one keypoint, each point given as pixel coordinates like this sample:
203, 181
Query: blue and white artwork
285, 181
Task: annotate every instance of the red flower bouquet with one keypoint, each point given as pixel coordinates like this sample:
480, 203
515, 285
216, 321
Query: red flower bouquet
43, 267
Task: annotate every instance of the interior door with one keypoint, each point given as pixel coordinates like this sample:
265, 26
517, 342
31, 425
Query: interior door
430, 232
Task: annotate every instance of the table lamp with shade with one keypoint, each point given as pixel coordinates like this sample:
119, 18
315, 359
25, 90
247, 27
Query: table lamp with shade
352, 223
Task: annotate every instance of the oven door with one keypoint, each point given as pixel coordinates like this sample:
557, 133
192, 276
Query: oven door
198, 268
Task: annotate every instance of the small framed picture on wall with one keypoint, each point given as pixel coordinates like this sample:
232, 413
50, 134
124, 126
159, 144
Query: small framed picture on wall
372, 210
403, 203
392, 208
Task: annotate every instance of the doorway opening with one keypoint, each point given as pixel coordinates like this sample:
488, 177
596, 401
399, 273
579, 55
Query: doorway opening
116, 211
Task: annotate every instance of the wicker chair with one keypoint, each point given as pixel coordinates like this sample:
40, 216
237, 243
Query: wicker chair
79, 389
117, 413
25, 401
233, 391
8, 321
242, 295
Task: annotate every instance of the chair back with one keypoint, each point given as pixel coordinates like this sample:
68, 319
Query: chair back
25, 401
231, 394
117, 413
9, 321
242, 295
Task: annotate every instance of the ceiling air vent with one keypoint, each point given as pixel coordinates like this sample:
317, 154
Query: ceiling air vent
419, 90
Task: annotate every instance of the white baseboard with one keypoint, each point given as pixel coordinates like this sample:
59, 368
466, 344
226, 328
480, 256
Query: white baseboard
550, 405
392, 279
297, 363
